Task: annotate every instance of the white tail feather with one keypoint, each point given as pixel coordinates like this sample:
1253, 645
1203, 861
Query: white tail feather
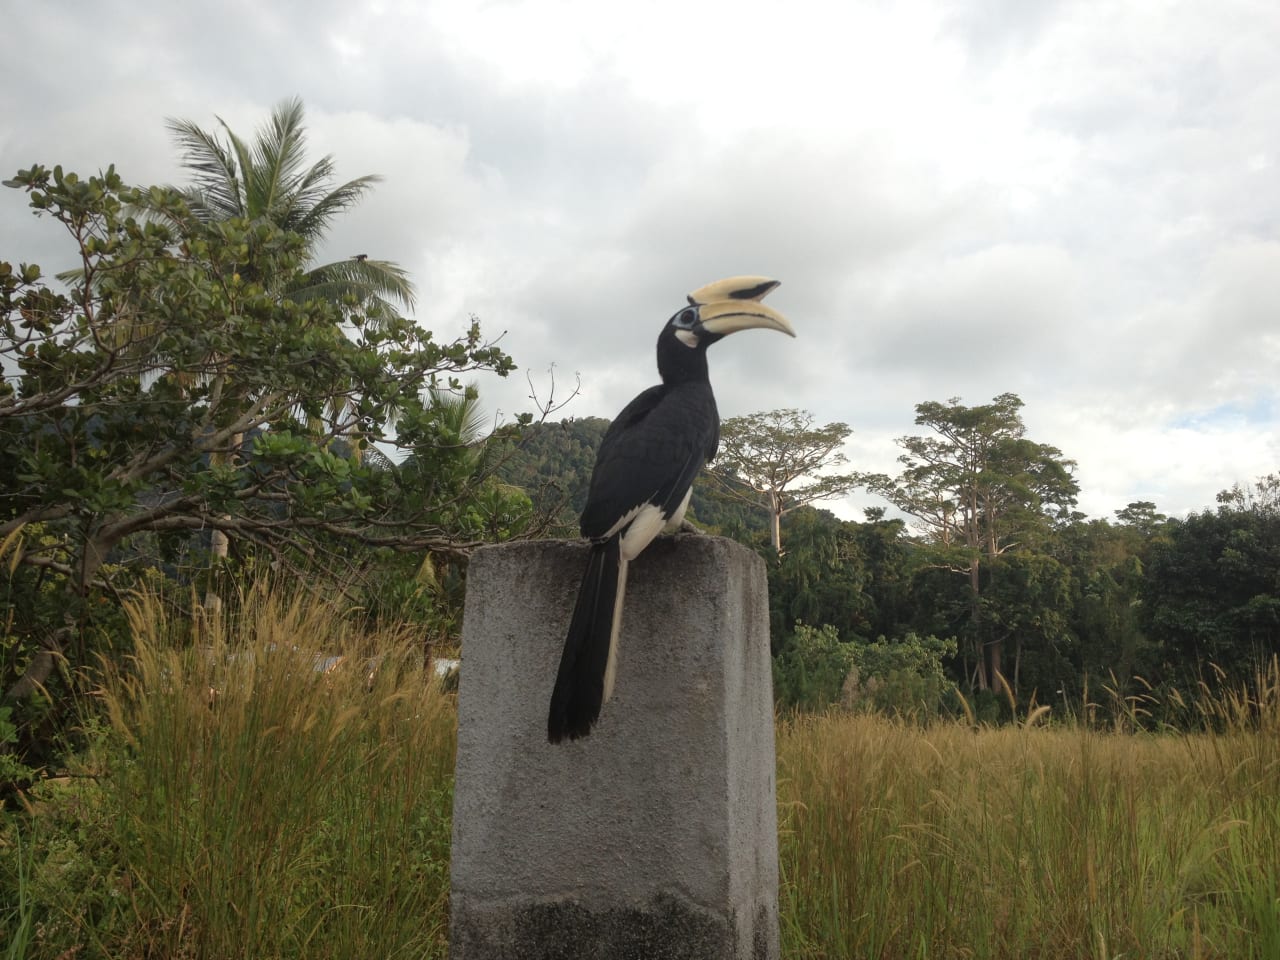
611, 666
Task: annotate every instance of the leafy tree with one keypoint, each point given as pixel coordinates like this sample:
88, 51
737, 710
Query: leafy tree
1211, 590
1027, 608
849, 575
269, 180
452, 472
781, 459
822, 578
978, 488
124, 401
810, 673
886, 550
1108, 563
1142, 516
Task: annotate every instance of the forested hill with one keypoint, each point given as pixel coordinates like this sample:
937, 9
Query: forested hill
553, 464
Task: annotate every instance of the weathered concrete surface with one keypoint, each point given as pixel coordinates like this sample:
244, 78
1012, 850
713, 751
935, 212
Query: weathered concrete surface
656, 836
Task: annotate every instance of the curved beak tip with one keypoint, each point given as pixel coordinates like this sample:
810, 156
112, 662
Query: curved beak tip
733, 304
729, 316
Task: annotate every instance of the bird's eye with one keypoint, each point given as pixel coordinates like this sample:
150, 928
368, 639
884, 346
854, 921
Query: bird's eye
687, 317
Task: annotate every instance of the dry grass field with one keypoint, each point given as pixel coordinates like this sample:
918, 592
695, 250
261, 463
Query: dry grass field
242, 802
1048, 842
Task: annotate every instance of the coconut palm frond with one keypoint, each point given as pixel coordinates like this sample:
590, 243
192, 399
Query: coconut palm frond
256, 187
278, 154
366, 280
311, 185
316, 208
217, 193
270, 179
460, 414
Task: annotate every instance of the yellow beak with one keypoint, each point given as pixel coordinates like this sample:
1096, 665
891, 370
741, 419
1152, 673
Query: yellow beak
727, 306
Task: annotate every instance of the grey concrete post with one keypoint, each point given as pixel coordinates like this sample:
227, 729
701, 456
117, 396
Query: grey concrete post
655, 838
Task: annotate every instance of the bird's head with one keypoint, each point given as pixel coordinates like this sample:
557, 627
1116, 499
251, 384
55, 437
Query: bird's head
725, 307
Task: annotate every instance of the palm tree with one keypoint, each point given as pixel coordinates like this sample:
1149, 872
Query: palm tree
269, 179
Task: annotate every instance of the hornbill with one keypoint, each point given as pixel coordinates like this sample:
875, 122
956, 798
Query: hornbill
641, 484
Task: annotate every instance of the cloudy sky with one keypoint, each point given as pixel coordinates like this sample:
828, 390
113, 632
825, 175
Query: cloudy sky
1078, 202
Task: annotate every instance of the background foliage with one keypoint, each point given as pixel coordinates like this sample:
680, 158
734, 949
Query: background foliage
174, 391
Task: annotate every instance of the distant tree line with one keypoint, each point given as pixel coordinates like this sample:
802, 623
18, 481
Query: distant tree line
984, 549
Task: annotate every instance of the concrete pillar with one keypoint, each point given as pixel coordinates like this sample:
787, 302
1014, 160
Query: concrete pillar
655, 838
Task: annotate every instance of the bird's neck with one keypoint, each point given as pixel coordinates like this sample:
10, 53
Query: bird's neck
679, 364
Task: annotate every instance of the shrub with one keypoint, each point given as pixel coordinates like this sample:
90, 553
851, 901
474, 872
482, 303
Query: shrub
903, 676
810, 671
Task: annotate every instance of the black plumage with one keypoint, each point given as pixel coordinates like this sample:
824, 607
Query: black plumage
641, 483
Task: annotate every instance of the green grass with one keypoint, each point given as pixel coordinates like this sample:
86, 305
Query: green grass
239, 803
18, 921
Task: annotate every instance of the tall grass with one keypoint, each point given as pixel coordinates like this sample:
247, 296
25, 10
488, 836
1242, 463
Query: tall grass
1031, 842
17, 921
268, 801
243, 803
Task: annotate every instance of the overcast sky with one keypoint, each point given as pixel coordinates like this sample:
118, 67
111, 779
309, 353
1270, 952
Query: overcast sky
1078, 202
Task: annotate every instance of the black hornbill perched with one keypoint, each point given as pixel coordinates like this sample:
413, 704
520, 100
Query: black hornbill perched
641, 485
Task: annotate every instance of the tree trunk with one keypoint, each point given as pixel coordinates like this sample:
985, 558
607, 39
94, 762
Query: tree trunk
39, 669
975, 623
219, 547
993, 651
995, 646
1017, 663
219, 543
775, 522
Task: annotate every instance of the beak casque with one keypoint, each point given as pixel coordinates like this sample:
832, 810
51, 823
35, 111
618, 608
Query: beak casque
734, 288
727, 306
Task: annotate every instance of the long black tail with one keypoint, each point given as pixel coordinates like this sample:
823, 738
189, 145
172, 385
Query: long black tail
580, 682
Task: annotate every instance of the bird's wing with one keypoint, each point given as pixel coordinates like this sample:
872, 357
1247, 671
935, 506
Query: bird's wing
650, 455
